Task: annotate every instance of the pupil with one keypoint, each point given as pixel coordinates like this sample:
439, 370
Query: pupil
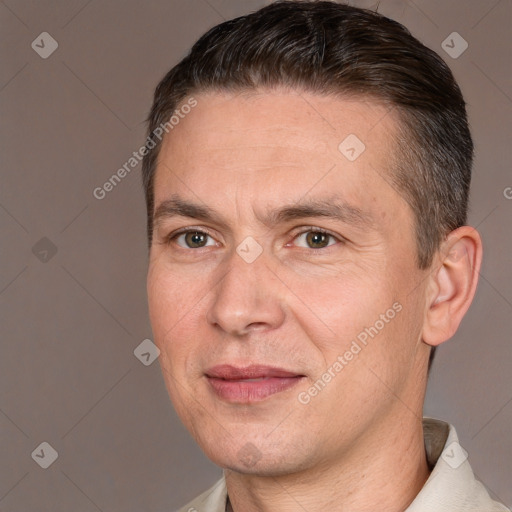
317, 238
196, 239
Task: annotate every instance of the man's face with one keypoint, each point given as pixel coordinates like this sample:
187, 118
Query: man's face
260, 310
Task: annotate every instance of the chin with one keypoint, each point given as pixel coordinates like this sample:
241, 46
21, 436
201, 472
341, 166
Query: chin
253, 457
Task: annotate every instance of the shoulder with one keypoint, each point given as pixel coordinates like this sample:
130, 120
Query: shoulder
451, 486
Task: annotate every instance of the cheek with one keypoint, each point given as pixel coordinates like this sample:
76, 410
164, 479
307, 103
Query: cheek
340, 304
174, 308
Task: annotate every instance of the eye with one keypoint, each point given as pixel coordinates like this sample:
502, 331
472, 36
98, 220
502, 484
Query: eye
192, 239
315, 239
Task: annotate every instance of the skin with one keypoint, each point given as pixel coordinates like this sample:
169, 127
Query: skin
358, 444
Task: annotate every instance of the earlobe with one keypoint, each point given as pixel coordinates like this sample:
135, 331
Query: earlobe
452, 284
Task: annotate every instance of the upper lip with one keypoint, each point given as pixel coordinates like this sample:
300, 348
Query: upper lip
229, 372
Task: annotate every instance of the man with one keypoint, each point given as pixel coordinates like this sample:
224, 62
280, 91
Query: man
307, 179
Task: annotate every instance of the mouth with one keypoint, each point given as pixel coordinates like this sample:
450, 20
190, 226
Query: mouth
250, 383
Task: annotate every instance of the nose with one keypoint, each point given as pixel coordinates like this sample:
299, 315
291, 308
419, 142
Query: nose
250, 297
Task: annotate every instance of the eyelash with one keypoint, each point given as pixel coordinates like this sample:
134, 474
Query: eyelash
311, 229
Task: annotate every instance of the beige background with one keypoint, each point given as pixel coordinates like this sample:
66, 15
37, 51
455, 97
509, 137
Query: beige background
69, 325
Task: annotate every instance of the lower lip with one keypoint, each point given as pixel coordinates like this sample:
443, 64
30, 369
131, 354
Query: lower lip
243, 391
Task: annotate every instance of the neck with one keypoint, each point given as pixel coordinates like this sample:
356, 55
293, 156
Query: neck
385, 471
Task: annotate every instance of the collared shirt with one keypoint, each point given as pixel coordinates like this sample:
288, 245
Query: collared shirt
451, 486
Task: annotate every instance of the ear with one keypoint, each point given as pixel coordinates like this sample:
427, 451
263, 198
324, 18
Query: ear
452, 284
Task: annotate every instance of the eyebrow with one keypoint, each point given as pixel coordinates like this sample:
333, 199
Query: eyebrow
333, 208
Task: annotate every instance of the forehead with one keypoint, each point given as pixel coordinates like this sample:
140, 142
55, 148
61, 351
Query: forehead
296, 141
299, 120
